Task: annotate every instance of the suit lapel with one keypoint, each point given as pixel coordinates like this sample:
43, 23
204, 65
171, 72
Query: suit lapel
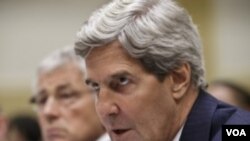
198, 124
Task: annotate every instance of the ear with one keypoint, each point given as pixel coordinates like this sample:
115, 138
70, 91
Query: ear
181, 79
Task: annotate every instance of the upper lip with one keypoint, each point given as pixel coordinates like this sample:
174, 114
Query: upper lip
53, 129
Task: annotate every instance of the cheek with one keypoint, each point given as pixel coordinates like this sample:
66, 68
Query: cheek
43, 124
81, 114
100, 112
77, 116
76, 122
149, 109
42, 120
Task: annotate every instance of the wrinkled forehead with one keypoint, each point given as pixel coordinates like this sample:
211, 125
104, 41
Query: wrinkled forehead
105, 62
107, 53
107, 50
67, 75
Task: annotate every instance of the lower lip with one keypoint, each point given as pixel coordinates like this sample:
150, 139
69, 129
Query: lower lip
53, 135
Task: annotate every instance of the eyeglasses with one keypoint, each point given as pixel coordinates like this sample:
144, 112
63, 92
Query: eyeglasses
63, 98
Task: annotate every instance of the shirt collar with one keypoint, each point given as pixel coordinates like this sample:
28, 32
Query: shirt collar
178, 135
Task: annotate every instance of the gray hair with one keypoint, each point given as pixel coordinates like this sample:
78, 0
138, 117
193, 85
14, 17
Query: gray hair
157, 32
57, 59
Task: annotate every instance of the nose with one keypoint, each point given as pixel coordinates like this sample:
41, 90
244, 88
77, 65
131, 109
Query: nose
107, 104
51, 109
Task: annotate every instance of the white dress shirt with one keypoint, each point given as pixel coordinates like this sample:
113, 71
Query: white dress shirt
178, 135
104, 137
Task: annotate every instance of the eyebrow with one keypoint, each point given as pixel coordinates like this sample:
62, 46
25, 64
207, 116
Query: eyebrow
115, 75
120, 73
43, 91
63, 86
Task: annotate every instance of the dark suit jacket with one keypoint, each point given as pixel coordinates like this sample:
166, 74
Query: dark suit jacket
207, 116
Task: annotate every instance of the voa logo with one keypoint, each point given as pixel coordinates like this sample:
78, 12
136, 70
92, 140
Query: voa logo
236, 132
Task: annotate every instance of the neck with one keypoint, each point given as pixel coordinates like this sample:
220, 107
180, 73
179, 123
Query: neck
185, 105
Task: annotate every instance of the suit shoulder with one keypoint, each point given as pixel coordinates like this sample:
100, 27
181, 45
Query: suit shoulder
240, 117
243, 115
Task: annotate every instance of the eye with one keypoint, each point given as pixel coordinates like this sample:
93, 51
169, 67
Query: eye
94, 87
66, 95
40, 100
120, 83
123, 80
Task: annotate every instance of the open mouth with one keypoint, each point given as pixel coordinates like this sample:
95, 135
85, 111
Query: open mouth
120, 131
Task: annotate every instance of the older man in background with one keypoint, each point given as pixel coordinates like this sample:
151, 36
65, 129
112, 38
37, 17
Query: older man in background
64, 105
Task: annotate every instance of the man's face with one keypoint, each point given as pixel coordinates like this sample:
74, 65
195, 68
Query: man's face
132, 104
65, 107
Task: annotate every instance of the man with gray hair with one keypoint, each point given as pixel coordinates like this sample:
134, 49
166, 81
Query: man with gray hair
63, 102
145, 67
